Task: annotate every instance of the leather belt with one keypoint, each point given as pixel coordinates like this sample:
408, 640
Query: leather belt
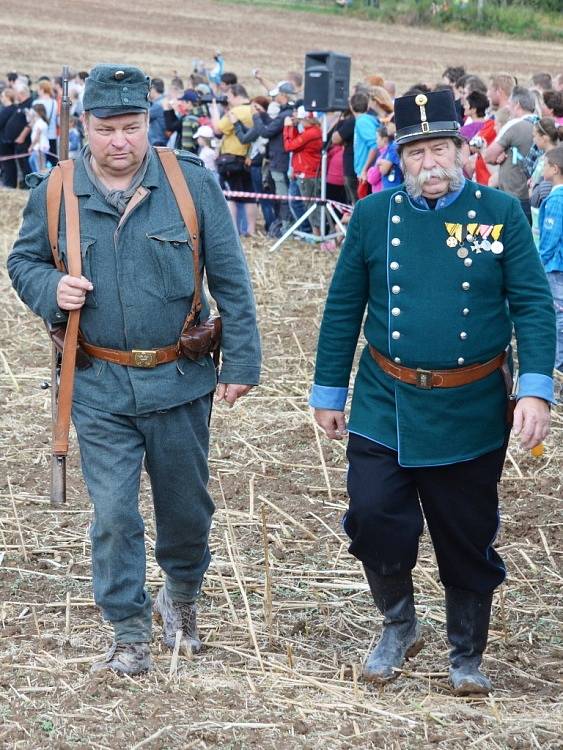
134, 358
428, 379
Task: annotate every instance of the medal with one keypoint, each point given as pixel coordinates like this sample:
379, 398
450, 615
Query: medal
470, 238
455, 232
485, 245
497, 247
463, 252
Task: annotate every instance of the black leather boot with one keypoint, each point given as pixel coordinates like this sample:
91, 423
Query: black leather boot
467, 617
401, 636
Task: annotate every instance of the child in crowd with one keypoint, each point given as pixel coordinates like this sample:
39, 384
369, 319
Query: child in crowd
39, 123
203, 137
388, 161
74, 138
551, 240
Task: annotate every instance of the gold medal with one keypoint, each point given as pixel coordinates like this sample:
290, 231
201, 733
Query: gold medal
463, 252
497, 247
451, 242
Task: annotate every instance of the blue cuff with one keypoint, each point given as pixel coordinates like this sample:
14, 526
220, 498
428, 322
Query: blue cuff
534, 384
328, 397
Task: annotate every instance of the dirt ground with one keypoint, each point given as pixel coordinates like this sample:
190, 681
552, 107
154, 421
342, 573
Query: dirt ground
285, 614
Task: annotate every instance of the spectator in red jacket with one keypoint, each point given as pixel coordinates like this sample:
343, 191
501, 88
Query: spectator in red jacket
305, 148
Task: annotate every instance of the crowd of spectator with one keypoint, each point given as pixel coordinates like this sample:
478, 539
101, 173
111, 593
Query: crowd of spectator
270, 145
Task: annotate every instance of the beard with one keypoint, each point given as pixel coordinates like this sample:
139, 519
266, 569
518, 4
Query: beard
414, 185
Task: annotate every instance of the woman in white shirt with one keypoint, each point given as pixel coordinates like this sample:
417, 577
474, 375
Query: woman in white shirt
39, 139
45, 97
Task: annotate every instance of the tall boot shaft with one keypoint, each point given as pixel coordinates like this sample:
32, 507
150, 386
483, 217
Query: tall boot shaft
401, 636
467, 617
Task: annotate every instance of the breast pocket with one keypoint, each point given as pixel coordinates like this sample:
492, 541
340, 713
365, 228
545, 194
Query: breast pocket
173, 252
87, 259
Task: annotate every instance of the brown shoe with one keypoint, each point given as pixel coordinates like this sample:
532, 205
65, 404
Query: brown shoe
177, 616
125, 658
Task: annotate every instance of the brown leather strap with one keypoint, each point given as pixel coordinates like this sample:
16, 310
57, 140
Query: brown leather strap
427, 379
54, 194
66, 384
185, 202
135, 358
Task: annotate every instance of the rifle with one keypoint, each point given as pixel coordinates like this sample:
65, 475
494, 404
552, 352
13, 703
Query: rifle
58, 462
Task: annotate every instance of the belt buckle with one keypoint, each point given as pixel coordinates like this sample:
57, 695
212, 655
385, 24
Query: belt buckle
144, 357
423, 379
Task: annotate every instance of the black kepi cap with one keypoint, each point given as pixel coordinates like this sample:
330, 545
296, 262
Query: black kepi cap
423, 116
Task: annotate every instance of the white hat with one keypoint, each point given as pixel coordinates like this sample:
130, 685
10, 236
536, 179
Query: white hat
204, 131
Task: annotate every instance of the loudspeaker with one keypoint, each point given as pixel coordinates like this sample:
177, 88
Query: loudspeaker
327, 81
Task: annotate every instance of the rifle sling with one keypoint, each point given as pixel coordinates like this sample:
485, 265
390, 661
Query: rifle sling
63, 173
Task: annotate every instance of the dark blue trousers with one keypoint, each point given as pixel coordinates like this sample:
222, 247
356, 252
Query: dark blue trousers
388, 505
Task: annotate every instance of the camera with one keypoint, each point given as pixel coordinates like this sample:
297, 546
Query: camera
208, 98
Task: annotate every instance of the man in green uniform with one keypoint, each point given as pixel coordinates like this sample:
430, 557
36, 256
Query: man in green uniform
446, 269
134, 294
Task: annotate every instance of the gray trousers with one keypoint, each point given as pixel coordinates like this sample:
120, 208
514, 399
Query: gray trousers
281, 186
174, 445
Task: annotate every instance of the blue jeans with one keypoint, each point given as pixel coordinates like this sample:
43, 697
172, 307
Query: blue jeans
174, 445
555, 279
268, 210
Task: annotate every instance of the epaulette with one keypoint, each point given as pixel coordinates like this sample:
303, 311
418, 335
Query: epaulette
34, 179
188, 156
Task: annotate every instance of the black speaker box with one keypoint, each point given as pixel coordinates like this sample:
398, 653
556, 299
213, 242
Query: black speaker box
327, 81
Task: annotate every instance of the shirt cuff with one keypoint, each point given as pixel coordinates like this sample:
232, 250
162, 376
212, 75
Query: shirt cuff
536, 385
328, 397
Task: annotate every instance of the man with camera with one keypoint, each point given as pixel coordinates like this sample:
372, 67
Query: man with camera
272, 129
233, 170
141, 399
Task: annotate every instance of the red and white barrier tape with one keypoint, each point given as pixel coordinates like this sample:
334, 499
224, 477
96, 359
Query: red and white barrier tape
271, 197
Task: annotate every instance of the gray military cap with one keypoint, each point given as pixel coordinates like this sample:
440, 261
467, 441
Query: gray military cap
112, 90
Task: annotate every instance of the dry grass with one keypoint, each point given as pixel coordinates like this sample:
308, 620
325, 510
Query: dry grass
286, 616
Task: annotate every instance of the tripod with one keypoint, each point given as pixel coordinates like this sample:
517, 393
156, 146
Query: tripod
324, 206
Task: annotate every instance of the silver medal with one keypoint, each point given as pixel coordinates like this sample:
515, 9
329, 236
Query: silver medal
485, 245
451, 242
497, 247
463, 252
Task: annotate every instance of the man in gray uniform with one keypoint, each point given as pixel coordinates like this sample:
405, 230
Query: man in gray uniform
134, 294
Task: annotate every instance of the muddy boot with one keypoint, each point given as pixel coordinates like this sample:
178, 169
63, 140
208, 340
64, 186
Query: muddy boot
125, 658
467, 617
401, 637
177, 616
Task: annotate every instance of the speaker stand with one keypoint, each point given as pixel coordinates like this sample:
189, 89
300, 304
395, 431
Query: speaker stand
324, 207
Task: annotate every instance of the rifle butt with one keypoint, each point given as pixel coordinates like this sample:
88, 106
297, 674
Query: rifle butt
58, 480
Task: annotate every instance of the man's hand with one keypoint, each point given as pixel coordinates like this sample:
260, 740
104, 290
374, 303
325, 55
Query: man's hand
531, 421
333, 423
71, 292
231, 392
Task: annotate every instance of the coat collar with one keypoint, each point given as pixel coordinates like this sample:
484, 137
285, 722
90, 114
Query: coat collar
83, 185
